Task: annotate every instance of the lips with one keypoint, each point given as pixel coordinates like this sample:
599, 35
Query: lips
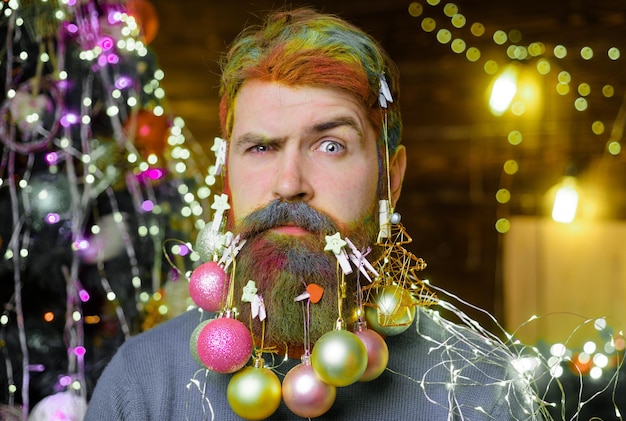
290, 230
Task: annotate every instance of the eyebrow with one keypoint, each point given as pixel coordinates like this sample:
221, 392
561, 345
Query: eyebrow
337, 122
259, 138
251, 138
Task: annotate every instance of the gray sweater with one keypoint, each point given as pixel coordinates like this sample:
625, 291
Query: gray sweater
150, 376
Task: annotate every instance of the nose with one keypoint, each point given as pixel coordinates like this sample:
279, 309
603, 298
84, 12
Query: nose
292, 181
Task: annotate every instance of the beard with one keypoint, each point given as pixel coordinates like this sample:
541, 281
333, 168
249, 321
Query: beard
283, 265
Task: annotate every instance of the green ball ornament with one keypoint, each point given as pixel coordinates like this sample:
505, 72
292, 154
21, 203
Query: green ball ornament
339, 357
254, 393
193, 341
392, 310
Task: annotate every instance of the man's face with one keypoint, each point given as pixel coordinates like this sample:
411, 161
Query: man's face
301, 144
302, 164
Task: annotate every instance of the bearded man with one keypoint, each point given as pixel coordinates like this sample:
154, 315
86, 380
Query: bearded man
310, 113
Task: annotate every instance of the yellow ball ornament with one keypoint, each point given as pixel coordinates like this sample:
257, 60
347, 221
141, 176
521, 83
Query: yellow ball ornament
339, 357
254, 393
392, 310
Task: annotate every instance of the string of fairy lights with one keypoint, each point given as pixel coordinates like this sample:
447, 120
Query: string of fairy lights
601, 355
91, 62
457, 31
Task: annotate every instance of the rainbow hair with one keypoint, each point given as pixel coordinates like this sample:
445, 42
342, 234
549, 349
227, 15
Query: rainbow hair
304, 48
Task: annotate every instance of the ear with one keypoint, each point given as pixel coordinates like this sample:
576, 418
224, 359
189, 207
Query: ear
397, 167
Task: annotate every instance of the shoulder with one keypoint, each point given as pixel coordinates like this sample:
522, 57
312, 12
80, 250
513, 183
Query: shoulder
158, 345
152, 367
168, 333
165, 346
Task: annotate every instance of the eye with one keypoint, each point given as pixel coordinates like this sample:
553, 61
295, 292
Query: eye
260, 148
331, 147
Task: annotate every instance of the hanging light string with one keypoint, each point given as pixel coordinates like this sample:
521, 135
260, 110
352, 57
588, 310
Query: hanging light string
80, 159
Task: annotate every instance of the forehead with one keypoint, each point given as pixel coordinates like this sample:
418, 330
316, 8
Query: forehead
274, 106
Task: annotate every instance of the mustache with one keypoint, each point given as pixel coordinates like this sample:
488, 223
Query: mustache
279, 213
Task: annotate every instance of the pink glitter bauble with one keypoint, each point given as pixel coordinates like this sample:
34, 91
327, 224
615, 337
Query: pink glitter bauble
377, 353
224, 345
208, 285
305, 394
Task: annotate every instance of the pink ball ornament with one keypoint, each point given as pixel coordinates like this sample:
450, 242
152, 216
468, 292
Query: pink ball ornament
224, 345
254, 393
339, 357
305, 393
208, 286
377, 353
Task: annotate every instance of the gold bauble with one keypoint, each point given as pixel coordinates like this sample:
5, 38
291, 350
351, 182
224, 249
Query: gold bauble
254, 393
339, 357
391, 310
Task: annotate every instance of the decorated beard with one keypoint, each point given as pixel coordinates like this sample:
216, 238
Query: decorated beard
283, 265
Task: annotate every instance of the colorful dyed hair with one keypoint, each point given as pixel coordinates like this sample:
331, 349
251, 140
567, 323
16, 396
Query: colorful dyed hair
304, 48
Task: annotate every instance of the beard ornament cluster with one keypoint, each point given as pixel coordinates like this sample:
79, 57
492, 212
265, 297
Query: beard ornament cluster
338, 358
224, 344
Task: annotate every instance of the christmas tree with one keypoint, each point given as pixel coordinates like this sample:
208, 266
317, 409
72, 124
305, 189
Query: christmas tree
101, 187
